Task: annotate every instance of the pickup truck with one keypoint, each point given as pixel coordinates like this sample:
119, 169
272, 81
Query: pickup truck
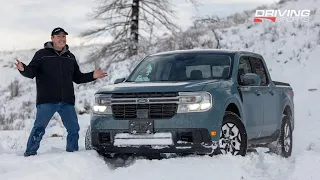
204, 102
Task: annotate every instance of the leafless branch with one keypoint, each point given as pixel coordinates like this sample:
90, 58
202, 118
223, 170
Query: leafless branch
127, 22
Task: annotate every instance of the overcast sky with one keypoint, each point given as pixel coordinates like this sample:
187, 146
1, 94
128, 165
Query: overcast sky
26, 24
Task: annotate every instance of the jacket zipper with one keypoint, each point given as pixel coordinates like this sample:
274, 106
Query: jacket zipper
61, 79
61, 75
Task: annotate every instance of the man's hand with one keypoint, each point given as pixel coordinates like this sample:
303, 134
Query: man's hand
99, 74
19, 65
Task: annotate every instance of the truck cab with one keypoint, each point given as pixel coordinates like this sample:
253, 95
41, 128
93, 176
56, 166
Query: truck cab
193, 101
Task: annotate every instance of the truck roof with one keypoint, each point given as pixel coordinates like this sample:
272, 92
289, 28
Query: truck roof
218, 51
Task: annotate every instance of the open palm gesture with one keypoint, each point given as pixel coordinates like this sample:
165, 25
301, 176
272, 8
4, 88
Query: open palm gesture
19, 65
99, 74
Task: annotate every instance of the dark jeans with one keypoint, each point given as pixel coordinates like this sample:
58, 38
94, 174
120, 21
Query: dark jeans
44, 114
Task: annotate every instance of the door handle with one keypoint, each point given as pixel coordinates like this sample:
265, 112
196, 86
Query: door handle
272, 92
257, 92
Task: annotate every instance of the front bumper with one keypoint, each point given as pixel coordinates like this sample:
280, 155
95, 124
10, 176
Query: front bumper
191, 140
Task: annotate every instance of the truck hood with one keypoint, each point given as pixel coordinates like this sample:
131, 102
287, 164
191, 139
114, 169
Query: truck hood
127, 87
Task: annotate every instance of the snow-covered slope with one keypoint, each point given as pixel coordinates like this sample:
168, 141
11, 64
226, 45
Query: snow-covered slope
291, 51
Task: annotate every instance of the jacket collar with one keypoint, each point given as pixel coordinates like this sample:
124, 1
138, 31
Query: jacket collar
49, 45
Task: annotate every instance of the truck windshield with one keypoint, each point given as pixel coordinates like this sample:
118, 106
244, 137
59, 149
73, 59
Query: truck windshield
182, 67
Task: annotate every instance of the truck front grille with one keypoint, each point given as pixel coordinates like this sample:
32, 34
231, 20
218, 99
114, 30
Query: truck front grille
153, 111
158, 105
144, 95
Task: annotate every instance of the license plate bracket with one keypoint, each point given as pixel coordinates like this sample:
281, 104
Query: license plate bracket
141, 127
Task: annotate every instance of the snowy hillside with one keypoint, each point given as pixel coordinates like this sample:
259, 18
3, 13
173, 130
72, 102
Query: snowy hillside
291, 51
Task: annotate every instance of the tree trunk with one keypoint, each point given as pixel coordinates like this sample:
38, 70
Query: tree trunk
134, 28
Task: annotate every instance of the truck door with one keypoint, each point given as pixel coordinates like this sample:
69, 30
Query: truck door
270, 98
252, 101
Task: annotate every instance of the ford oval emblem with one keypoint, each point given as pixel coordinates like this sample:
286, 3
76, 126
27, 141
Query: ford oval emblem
142, 101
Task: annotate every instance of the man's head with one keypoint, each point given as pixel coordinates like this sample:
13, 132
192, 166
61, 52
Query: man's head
58, 37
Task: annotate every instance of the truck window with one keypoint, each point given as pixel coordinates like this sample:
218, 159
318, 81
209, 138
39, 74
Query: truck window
182, 67
205, 70
166, 72
260, 70
145, 74
244, 68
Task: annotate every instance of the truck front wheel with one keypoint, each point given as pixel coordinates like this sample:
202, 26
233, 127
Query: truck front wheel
233, 136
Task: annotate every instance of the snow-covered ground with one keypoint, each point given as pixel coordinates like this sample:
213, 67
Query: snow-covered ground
291, 51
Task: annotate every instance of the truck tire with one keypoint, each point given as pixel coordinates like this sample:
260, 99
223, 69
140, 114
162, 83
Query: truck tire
285, 137
88, 140
233, 135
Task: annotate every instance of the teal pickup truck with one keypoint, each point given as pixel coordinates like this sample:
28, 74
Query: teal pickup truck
194, 101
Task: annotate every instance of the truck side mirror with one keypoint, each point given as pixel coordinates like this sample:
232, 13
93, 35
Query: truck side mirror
120, 80
251, 79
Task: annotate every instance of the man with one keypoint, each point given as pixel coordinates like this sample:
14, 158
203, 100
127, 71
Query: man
55, 69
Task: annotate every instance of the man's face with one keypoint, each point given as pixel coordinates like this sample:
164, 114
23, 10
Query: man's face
59, 40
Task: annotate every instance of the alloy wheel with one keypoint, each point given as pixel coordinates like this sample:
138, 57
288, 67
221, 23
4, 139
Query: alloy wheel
230, 139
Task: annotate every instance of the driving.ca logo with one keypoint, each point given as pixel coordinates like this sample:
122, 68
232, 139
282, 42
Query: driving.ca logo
282, 15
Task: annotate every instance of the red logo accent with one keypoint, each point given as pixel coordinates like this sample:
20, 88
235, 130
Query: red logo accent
259, 19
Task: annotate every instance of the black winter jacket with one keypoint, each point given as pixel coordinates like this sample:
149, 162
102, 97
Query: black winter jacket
55, 74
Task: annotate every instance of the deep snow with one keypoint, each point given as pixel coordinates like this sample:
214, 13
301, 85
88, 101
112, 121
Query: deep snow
292, 57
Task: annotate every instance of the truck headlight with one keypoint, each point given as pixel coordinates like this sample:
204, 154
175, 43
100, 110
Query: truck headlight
102, 104
194, 102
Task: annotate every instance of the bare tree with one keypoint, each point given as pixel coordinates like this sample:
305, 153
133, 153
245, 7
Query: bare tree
214, 21
205, 20
128, 22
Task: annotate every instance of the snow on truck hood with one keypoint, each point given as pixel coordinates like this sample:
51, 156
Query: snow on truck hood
155, 86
